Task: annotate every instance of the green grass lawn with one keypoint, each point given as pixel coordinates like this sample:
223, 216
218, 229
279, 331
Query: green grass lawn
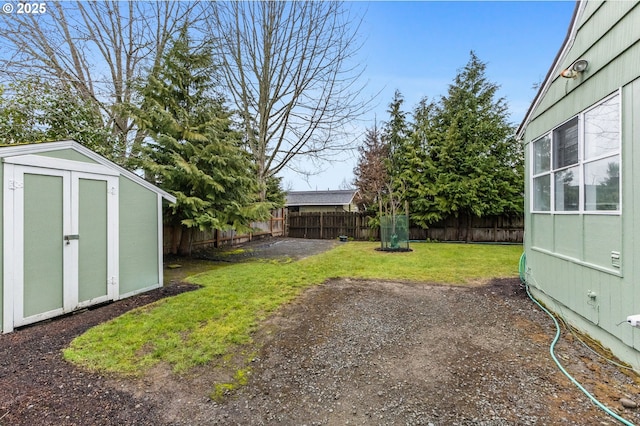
212, 322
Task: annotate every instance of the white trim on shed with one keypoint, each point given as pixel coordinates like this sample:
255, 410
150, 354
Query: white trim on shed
83, 271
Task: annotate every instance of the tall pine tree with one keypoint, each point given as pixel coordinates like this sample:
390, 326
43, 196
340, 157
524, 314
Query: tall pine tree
472, 163
195, 153
396, 136
420, 193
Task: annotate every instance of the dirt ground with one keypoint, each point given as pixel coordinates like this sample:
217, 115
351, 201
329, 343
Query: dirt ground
345, 352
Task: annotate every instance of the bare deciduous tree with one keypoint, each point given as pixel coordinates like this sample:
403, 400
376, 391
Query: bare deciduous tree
97, 49
291, 70
371, 176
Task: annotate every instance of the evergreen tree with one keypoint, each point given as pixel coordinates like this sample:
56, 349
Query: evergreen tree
472, 163
396, 136
34, 110
421, 195
274, 194
195, 153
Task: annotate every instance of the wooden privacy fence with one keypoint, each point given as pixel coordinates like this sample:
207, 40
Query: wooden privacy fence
497, 229
329, 225
274, 227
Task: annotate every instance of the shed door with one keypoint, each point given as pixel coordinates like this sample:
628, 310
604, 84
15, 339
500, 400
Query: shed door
64, 239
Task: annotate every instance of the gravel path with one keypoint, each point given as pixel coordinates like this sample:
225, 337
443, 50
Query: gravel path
352, 352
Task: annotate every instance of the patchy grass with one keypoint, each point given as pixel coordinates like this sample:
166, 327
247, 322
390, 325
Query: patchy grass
221, 390
198, 327
232, 252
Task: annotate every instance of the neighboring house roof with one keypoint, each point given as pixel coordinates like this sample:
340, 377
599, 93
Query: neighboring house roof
320, 198
26, 149
554, 71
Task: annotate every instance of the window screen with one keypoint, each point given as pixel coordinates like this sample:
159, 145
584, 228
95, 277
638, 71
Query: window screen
565, 144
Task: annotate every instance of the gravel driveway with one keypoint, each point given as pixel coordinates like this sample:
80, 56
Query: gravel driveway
345, 352
388, 353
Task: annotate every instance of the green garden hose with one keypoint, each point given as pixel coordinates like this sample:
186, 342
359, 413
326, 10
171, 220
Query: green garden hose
521, 269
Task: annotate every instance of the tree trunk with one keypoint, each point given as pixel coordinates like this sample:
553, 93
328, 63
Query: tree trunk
186, 242
380, 217
176, 236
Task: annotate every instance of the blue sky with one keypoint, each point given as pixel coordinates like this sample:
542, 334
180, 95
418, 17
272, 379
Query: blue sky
417, 47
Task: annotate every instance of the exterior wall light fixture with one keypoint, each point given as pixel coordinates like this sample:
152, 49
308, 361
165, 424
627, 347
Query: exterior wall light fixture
576, 68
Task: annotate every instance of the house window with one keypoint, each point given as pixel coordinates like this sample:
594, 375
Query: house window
542, 155
542, 174
576, 167
602, 184
565, 144
565, 153
602, 156
542, 193
567, 190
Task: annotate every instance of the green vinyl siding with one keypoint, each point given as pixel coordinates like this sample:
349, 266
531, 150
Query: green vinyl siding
569, 256
43, 244
629, 299
590, 9
583, 239
567, 236
609, 41
609, 32
541, 231
602, 235
570, 285
92, 228
68, 154
139, 267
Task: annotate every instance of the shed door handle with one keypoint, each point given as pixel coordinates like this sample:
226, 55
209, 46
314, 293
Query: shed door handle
70, 237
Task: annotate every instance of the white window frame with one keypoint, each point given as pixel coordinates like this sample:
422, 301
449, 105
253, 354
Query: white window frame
534, 175
577, 164
584, 162
580, 164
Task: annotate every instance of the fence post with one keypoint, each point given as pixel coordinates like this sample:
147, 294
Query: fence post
321, 226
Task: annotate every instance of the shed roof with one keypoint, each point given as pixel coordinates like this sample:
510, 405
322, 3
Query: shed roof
320, 198
554, 71
20, 149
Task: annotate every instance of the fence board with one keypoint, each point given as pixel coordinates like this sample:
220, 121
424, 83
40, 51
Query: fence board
274, 227
330, 225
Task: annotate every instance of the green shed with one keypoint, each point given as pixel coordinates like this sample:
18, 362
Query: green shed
77, 230
581, 135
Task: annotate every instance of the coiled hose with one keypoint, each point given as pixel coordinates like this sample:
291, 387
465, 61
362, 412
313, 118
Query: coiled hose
522, 271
